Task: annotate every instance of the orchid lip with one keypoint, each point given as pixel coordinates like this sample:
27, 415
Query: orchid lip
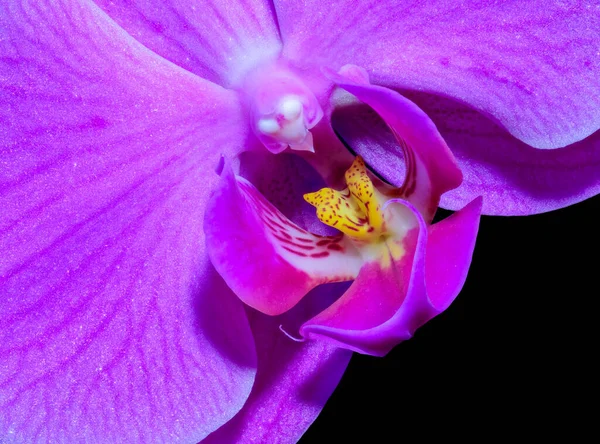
271, 263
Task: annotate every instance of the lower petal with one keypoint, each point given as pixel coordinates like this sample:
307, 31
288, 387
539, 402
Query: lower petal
266, 259
293, 382
283, 179
385, 305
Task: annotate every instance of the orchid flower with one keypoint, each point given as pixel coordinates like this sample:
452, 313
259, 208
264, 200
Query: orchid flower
116, 326
405, 273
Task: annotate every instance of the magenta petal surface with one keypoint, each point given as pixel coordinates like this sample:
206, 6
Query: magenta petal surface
450, 245
513, 178
533, 67
218, 40
293, 382
430, 166
385, 305
113, 325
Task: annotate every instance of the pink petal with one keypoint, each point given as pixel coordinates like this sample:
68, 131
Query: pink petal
293, 382
534, 69
113, 325
219, 40
384, 306
430, 166
450, 245
513, 178
269, 262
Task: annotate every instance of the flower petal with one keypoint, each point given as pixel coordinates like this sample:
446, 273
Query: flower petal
111, 321
219, 40
268, 261
450, 245
513, 178
534, 69
430, 166
293, 382
385, 305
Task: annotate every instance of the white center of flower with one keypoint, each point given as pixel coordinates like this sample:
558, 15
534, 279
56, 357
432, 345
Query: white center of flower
290, 107
268, 126
287, 124
283, 109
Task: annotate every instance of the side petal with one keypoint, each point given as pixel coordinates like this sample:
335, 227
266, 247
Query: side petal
513, 178
266, 259
217, 40
386, 304
109, 329
534, 69
450, 245
293, 382
431, 169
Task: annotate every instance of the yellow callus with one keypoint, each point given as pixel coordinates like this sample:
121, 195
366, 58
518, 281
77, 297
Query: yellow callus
356, 210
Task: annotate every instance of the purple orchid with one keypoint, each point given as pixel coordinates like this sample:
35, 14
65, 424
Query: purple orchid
116, 325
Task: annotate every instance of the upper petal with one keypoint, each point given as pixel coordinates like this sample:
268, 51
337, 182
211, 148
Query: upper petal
111, 320
533, 68
217, 40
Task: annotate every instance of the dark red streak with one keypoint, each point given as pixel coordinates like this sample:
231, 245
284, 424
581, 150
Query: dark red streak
298, 253
287, 241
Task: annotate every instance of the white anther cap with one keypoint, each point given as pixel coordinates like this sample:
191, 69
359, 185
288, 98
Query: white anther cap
268, 126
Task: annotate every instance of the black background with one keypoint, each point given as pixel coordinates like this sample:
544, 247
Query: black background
513, 356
